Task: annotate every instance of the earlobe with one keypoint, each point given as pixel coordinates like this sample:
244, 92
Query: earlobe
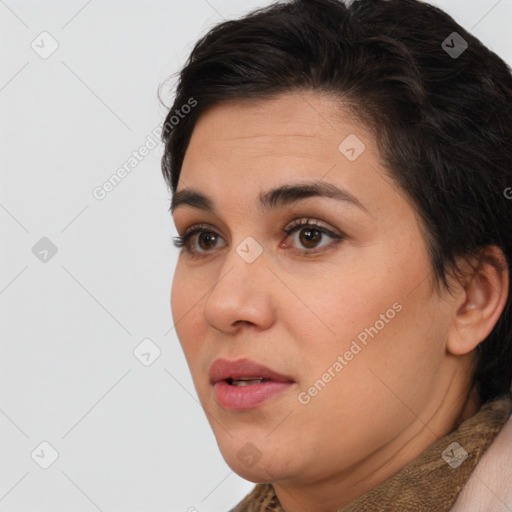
482, 300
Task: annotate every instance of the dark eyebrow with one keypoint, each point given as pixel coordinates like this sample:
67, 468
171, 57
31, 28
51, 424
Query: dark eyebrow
275, 198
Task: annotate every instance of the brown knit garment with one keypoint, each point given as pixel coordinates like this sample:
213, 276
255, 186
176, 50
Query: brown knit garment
428, 483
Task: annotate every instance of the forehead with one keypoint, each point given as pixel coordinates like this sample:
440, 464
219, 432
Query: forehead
299, 133
292, 123
239, 150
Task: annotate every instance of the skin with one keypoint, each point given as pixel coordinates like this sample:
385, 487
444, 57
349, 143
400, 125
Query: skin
296, 313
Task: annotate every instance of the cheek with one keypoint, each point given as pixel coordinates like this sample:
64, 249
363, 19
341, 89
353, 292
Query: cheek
379, 312
178, 295
186, 305
345, 303
397, 364
394, 350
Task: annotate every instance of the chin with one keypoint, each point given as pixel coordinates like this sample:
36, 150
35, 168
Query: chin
257, 475
255, 465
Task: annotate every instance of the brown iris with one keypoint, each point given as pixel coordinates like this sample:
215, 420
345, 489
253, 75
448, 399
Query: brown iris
312, 236
210, 239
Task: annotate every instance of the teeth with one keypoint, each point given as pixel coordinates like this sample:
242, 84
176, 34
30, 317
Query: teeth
246, 381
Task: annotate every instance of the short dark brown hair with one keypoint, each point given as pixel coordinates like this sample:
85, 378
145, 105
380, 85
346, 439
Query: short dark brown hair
442, 118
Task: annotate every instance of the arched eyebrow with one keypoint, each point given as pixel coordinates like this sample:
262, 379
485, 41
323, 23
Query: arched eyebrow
279, 197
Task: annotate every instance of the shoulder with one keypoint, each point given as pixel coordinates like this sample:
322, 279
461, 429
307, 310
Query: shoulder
489, 489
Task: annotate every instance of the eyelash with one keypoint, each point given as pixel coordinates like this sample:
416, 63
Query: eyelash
182, 241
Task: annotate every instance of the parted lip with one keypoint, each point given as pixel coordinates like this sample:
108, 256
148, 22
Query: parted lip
223, 369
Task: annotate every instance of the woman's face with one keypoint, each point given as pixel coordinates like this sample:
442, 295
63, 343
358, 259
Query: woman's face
350, 317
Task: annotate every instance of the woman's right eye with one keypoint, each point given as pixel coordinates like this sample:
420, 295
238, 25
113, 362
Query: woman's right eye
185, 240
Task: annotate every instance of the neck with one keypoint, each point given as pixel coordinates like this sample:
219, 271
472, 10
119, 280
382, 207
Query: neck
337, 491
471, 407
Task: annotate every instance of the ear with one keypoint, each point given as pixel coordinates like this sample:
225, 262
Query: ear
480, 300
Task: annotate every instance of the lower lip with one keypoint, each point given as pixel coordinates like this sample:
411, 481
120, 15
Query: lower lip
242, 398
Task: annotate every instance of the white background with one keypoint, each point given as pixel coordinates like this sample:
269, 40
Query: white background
129, 437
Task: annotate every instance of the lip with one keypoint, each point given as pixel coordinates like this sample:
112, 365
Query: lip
243, 398
222, 369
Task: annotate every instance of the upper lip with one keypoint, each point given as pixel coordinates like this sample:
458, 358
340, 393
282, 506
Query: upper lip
223, 369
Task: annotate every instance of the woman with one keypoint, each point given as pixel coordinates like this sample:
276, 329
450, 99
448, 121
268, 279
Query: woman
341, 187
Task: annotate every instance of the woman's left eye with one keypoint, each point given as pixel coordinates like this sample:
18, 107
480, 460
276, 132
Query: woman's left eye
308, 231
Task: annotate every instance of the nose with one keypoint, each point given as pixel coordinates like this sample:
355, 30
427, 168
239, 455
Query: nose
243, 292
